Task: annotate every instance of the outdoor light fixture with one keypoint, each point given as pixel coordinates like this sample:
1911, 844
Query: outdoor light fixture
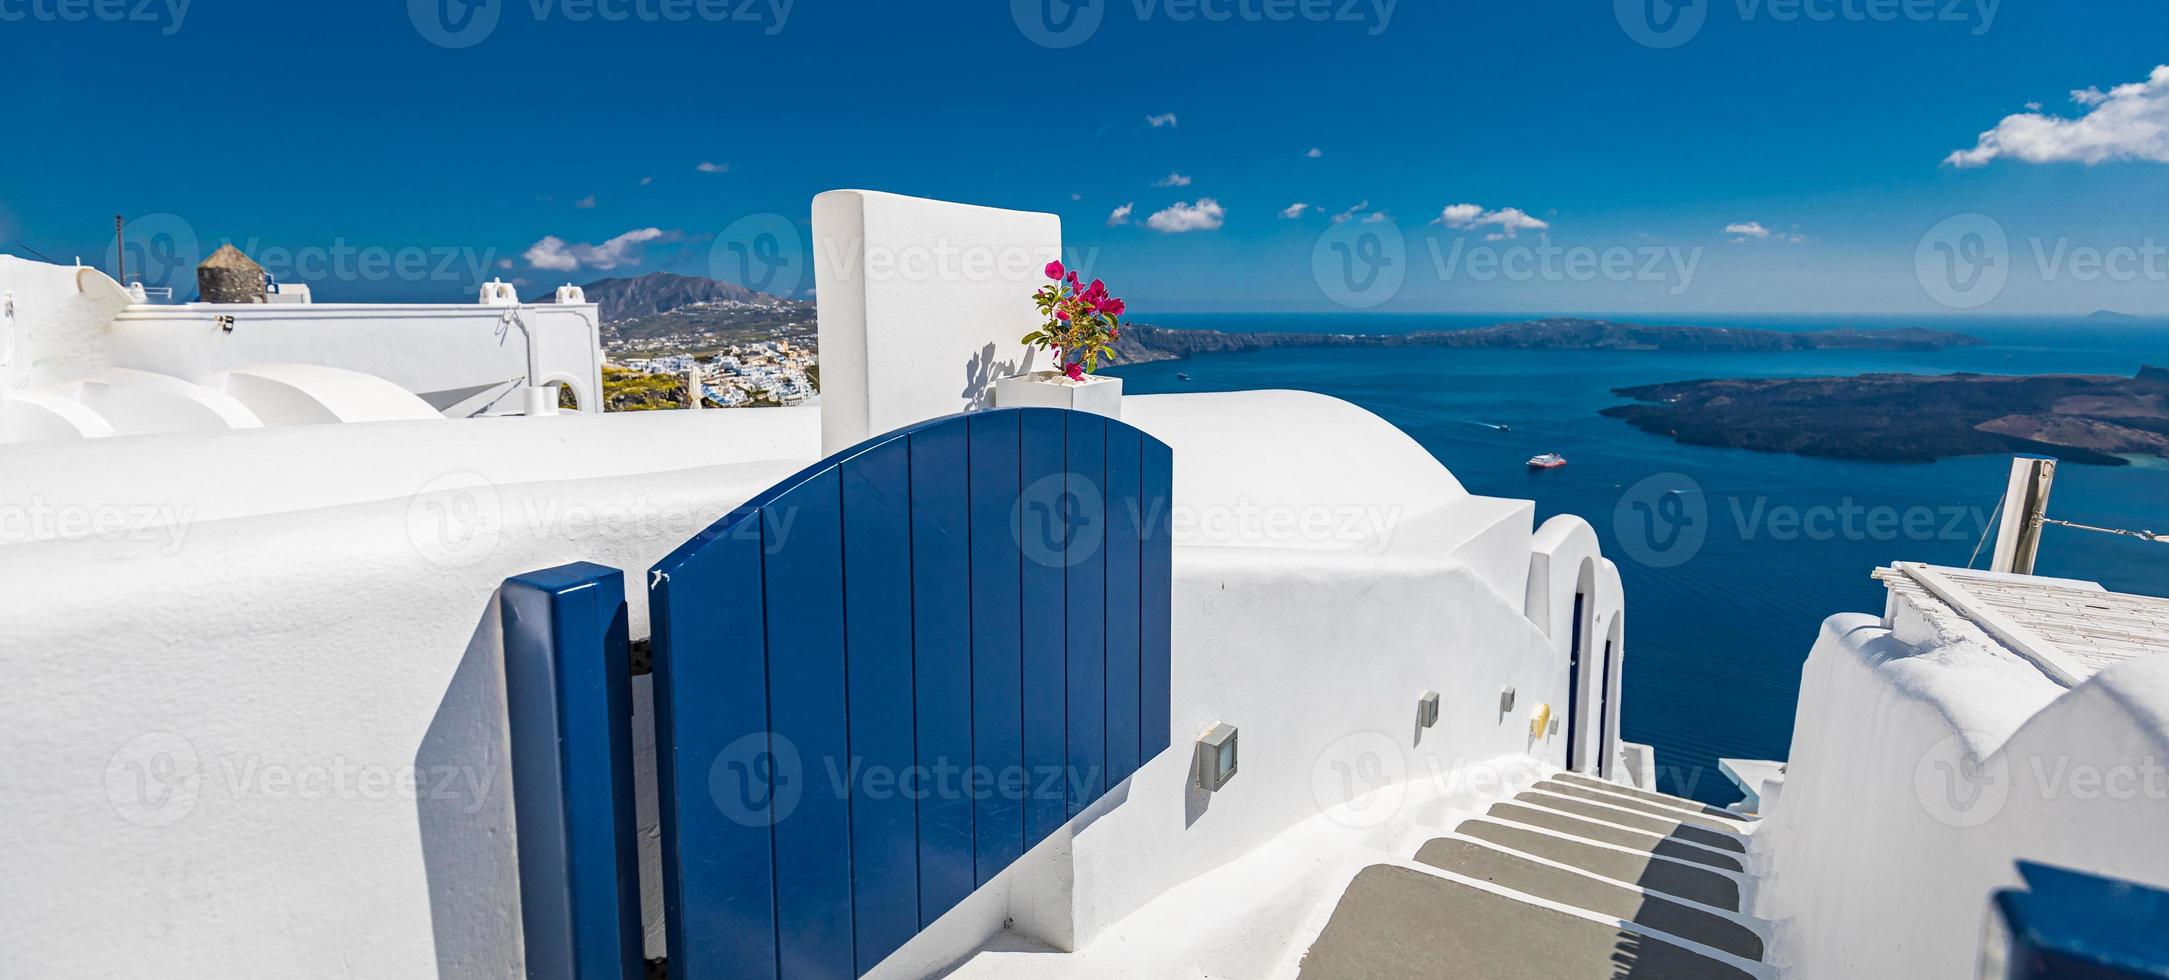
1506, 700
1214, 763
1427, 709
1539, 720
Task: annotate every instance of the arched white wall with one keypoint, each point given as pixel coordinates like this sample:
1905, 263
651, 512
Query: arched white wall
1565, 559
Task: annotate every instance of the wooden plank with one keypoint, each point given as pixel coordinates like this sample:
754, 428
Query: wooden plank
1156, 561
707, 604
942, 661
1046, 705
2019, 639
1085, 553
802, 572
877, 590
997, 646
568, 694
1125, 504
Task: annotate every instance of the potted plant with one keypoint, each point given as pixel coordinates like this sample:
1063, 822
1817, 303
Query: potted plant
1082, 323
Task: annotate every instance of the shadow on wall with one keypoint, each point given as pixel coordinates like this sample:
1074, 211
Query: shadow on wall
983, 371
463, 803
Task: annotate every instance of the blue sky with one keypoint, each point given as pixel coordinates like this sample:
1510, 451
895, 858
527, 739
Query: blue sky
1821, 141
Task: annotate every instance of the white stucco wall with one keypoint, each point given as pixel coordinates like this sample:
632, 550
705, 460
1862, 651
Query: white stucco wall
216, 719
212, 746
922, 305
71, 334
1924, 765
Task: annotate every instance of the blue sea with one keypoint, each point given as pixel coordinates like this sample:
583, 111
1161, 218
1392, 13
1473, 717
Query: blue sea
1715, 641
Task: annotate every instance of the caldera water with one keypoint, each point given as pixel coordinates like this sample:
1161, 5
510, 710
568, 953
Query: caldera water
1728, 579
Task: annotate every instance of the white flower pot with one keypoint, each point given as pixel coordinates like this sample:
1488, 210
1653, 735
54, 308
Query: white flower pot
1097, 394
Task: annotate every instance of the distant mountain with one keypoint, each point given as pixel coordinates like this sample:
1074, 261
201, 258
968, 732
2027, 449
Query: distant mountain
2109, 315
662, 292
1148, 343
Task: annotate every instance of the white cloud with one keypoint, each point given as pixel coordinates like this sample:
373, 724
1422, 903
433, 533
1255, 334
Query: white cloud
585, 202
713, 168
1747, 229
645, 181
1076, 197
556, 254
1377, 217
1166, 119
1296, 210
1315, 153
1509, 221
1755, 231
1172, 180
1361, 206
1121, 215
504, 263
2128, 122
1205, 215
1461, 215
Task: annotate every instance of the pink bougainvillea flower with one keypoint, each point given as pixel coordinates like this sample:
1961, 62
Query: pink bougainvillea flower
1061, 314
1075, 372
1054, 270
1073, 279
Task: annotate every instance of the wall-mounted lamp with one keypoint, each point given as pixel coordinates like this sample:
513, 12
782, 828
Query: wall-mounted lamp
1214, 763
1506, 700
1540, 721
1427, 709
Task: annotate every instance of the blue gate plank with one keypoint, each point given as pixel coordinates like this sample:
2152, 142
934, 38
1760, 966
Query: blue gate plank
1046, 704
802, 571
714, 768
1155, 580
1125, 500
942, 652
997, 647
883, 680
568, 693
877, 576
1086, 556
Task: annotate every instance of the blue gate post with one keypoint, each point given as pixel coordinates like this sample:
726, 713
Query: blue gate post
568, 695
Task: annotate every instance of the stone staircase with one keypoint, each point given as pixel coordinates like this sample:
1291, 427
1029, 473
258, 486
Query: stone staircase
1574, 878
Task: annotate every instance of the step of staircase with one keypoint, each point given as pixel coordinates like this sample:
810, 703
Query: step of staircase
1537, 816
1708, 818
1636, 819
1675, 802
1530, 877
1395, 923
1574, 878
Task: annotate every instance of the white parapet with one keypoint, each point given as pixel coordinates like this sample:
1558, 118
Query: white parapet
923, 305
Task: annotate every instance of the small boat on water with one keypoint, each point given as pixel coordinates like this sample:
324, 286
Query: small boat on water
1182, 376
1548, 461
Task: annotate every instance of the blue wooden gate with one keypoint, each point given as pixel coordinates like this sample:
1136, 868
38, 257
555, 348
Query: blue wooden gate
883, 680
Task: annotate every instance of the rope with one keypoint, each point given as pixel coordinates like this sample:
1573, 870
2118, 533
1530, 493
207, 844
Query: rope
2141, 535
1997, 509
